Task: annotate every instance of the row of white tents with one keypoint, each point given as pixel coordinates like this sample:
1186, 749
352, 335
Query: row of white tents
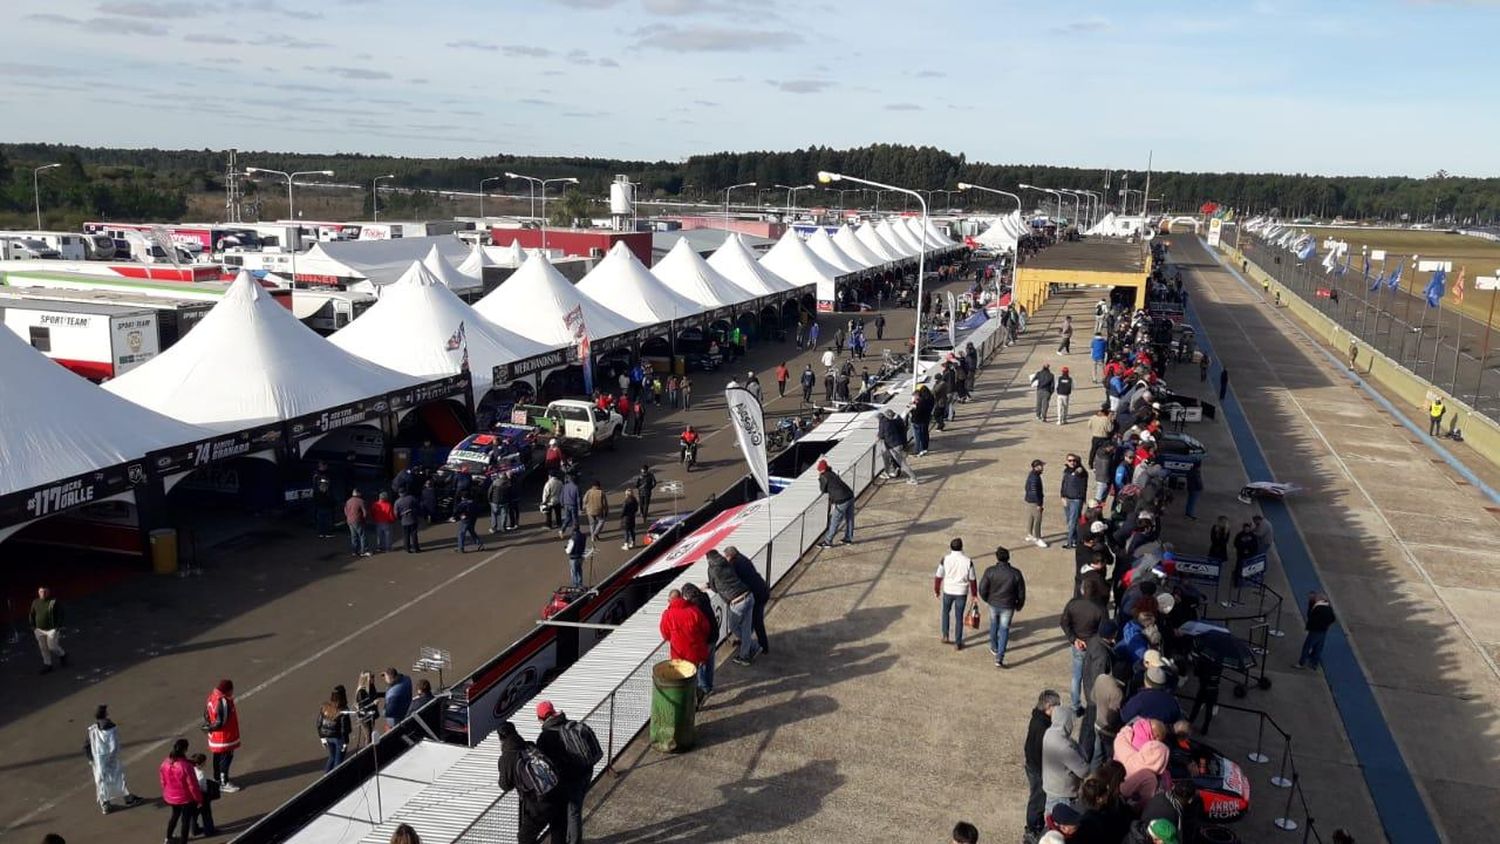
250, 362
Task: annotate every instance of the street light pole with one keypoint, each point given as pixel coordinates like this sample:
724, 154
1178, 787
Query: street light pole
36, 189
534, 182
375, 194
967, 186
726, 201
790, 195
544, 184
290, 208
916, 348
482, 183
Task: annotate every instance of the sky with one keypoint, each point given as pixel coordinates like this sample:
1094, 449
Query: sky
1341, 88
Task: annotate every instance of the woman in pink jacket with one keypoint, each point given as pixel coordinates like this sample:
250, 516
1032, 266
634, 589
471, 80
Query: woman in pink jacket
179, 789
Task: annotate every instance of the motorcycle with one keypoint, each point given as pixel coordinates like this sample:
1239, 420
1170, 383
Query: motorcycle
688, 454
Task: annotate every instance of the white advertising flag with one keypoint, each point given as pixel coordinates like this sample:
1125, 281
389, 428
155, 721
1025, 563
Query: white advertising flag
749, 422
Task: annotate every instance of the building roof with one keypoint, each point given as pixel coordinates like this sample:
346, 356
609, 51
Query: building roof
1092, 255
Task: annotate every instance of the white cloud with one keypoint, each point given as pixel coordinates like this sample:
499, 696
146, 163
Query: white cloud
526, 51
1089, 24
471, 44
903, 107
801, 86
713, 39
350, 72
156, 10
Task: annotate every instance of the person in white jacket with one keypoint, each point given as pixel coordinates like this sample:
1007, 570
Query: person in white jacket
104, 758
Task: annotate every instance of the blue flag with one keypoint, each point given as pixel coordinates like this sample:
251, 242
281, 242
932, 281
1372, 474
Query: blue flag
1373, 284
1394, 281
1309, 246
1344, 268
1435, 290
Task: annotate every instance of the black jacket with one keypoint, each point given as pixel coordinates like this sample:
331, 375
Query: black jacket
1002, 585
570, 769
1097, 659
510, 762
893, 431
1075, 483
1319, 618
1034, 494
1038, 727
722, 578
747, 573
1043, 381
1065, 385
830, 483
1080, 619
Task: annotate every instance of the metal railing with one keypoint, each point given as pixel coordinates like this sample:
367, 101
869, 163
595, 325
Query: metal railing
1443, 346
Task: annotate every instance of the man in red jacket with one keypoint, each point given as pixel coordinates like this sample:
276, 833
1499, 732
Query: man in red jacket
685, 629
221, 720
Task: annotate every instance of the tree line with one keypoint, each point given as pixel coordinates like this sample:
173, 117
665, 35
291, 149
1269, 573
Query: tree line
153, 184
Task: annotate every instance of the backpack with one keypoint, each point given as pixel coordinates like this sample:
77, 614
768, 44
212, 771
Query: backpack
582, 744
536, 777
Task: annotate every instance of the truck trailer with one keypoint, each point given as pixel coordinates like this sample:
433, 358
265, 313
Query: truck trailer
97, 338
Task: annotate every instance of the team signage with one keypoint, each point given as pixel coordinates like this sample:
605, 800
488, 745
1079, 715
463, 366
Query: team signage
442, 388
195, 455
53, 498
521, 368
353, 413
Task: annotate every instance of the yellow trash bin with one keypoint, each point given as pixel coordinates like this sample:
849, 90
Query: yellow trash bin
164, 550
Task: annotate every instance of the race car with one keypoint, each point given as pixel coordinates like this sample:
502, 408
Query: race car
661, 526
1223, 788
1266, 490
513, 450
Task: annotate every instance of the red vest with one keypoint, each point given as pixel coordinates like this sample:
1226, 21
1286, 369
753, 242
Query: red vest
227, 736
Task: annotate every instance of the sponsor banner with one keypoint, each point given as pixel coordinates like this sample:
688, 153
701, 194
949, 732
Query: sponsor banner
451, 386
691, 548
749, 422
521, 368
825, 306
1215, 231
1253, 567
195, 455
1201, 568
353, 413
53, 498
516, 680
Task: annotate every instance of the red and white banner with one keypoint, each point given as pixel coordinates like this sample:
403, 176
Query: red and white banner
691, 548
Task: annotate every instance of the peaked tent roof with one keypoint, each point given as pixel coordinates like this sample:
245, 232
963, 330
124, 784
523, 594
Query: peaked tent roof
380, 261
912, 228
534, 301
854, 248
507, 256
622, 283
791, 259
445, 272
1018, 227
999, 234
474, 265
933, 235
823, 246
738, 264
897, 233
54, 424
1106, 225
684, 271
249, 362
894, 240
417, 318
873, 242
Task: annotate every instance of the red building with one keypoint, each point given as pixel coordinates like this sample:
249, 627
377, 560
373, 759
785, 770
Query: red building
584, 243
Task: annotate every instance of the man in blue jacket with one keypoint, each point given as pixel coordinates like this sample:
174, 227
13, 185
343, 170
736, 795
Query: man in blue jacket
1098, 351
397, 697
1035, 501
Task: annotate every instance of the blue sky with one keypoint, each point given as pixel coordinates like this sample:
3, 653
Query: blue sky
1329, 87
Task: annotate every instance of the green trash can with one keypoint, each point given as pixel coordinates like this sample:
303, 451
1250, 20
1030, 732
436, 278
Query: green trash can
674, 705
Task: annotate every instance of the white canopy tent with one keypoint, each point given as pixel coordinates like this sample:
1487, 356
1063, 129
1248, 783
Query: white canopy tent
376, 262
55, 425
622, 283
445, 272
507, 256
686, 272
475, 265
250, 362
893, 243
920, 235
875, 244
738, 264
1105, 226
823, 246
535, 301
791, 259
851, 245
898, 233
933, 234
1000, 235
422, 328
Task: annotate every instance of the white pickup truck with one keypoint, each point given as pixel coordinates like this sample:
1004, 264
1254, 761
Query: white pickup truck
573, 419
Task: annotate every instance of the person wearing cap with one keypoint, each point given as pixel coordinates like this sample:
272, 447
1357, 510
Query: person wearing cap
1036, 730
1074, 489
574, 773
1035, 503
537, 812
1044, 383
1154, 700
1158, 831
893, 444
1064, 389
1003, 588
1063, 765
356, 514
840, 502
954, 583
